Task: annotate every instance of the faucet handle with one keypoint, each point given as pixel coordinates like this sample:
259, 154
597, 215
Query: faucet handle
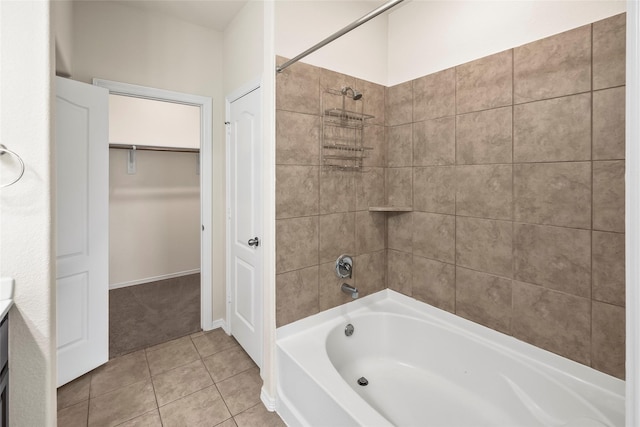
344, 266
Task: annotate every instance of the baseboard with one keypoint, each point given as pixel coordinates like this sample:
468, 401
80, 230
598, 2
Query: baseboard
268, 401
153, 279
220, 323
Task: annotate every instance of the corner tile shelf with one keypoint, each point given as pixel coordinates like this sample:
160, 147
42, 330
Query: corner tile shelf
390, 209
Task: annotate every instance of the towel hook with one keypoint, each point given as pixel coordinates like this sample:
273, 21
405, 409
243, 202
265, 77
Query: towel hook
3, 150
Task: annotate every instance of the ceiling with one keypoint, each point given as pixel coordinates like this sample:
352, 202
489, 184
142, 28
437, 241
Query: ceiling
214, 14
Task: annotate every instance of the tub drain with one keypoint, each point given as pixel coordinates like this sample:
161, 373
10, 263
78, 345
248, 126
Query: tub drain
362, 381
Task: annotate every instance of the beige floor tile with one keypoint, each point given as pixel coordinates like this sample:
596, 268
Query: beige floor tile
121, 405
74, 415
241, 391
258, 416
74, 392
228, 363
119, 372
228, 423
213, 341
171, 355
202, 408
150, 419
180, 382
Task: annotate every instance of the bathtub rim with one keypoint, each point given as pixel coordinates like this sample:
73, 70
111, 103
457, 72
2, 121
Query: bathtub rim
565, 370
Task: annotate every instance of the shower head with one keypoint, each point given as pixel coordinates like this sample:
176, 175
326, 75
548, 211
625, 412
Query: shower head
355, 95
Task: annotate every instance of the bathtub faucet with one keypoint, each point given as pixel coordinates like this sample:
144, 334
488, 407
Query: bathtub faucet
348, 289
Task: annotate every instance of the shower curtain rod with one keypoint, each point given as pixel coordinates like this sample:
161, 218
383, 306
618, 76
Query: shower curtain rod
355, 24
154, 148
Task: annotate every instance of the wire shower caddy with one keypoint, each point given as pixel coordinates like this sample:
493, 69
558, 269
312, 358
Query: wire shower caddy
343, 132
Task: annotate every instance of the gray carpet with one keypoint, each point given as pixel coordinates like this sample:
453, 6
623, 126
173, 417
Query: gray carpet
152, 313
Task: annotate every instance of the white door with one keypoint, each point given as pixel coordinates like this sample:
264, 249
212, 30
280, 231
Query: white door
82, 203
245, 223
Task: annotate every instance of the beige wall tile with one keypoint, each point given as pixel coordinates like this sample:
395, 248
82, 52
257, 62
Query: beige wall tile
400, 231
608, 196
399, 145
298, 88
554, 66
484, 299
371, 272
296, 243
434, 95
552, 320
608, 124
399, 186
297, 191
370, 232
609, 52
484, 83
484, 137
434, 189
337, 235
370, 188
608, 259
372, 100
337, 191
399, 271
374, 137
297, 138
331, 84
608, 339
434, 282
399, 104
434, 236
553, 193
434, 142
329, 285
296, 295
554, 257
553, 130
484, 191
485, 245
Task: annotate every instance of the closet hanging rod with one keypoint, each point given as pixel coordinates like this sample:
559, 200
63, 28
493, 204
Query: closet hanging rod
355, 24
154, 148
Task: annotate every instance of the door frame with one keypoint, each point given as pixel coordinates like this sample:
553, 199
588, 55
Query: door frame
206, 173
234, 96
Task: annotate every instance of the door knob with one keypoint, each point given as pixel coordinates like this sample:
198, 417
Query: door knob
254, 242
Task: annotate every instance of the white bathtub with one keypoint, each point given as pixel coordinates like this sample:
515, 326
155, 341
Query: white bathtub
427, 367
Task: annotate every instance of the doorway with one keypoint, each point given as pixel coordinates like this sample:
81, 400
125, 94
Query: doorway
160, 238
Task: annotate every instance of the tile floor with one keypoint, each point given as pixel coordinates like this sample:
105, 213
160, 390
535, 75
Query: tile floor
200, 380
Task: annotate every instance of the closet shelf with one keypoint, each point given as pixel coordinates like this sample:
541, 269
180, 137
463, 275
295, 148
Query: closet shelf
390, 209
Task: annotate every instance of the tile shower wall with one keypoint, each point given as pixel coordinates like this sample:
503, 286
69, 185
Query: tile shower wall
514, 166
321, 213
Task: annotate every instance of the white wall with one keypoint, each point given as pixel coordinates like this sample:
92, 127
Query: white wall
62, 16
141, 121
249, 54
154, 217
116, 42
26, 223
361, 53
429, 36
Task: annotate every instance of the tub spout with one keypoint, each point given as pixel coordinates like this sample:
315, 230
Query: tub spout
348, 289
